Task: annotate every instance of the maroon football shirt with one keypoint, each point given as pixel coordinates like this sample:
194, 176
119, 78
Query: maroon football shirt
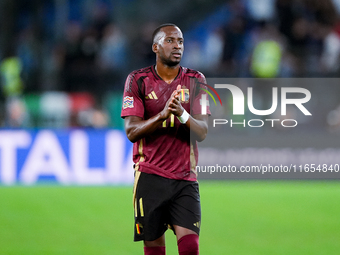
168, 151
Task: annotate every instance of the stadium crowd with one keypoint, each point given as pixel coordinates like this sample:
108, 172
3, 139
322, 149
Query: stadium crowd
74, 76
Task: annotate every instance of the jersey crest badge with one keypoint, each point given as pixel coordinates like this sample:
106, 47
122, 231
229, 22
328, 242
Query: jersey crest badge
128, 102
184, 95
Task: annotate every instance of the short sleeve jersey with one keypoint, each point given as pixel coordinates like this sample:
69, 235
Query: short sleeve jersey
169, 151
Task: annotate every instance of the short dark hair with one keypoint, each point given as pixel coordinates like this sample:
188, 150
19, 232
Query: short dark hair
159, 28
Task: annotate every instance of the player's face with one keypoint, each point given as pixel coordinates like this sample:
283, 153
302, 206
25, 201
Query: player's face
170, 46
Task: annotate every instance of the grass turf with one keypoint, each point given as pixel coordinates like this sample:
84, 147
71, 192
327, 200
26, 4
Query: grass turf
238, 217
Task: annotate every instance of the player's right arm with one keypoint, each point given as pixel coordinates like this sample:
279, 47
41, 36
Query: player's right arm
136, 128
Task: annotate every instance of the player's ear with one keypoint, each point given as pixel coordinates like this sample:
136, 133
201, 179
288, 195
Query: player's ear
155, 47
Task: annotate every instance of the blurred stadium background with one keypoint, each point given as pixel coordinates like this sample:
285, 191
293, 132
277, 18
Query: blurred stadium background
63, 65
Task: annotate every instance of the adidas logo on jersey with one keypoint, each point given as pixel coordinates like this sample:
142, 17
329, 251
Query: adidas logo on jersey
152, 95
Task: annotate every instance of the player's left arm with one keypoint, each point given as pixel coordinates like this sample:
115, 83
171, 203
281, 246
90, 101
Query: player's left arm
197, 124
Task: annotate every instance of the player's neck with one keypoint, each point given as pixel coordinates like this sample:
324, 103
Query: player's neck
168, 74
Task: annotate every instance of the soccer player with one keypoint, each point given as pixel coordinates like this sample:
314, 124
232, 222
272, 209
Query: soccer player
162, 113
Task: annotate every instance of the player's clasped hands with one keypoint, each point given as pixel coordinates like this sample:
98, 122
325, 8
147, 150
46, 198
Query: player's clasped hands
173, 105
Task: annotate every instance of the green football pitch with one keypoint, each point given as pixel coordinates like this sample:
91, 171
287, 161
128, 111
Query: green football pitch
238, 217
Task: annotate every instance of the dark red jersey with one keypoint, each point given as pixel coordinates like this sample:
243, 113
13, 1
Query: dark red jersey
168, 151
